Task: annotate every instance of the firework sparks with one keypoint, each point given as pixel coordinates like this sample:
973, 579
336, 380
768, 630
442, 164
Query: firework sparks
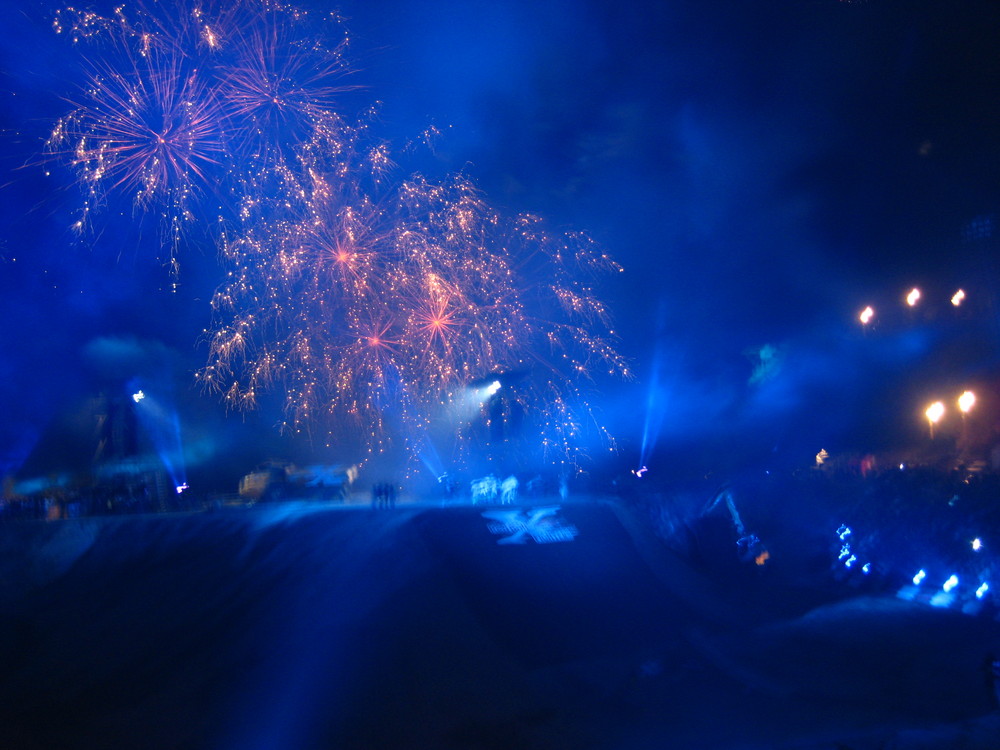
281, 87
367, 305
153, 133
187, 100
377, 313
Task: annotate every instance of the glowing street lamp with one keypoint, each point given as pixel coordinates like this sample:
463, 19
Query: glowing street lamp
913, 297
966, 401
866, 316
934, 413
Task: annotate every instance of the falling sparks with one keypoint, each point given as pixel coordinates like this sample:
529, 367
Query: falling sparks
375, 312
370, 304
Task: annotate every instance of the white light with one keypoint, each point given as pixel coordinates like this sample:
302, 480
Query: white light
912, 297
850, 561
966, 401
977, 544
843, 532
493, 388
935, 411
981, 591
957, 298
866, 315
866, 568
951, 583
921, 575
138, 396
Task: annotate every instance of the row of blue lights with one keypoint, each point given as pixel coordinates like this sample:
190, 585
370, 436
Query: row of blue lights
849, 559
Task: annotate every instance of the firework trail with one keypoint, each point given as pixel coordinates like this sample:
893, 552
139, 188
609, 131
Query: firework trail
372, 306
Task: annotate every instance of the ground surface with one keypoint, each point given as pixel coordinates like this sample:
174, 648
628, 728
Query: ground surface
324, 626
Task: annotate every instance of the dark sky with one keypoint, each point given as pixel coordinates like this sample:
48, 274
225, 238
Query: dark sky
762, 170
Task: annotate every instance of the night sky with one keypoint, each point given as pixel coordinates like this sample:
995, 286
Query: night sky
762, 170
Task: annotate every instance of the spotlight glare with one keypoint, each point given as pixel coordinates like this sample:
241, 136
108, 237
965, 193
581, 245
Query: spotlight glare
138, 396
951, 583
920, 576
958, 298
913, 297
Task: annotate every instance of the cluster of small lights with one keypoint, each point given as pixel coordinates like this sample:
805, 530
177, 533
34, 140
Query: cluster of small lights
913, 297
846, 555
945, 597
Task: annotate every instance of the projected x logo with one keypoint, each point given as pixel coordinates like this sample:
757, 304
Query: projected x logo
541, 525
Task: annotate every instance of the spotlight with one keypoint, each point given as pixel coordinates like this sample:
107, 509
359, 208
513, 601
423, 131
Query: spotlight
138, 396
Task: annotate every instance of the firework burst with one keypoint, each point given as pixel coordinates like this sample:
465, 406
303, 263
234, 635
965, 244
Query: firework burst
186, 101
372, 308
280, 86
376, 317
152, 134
